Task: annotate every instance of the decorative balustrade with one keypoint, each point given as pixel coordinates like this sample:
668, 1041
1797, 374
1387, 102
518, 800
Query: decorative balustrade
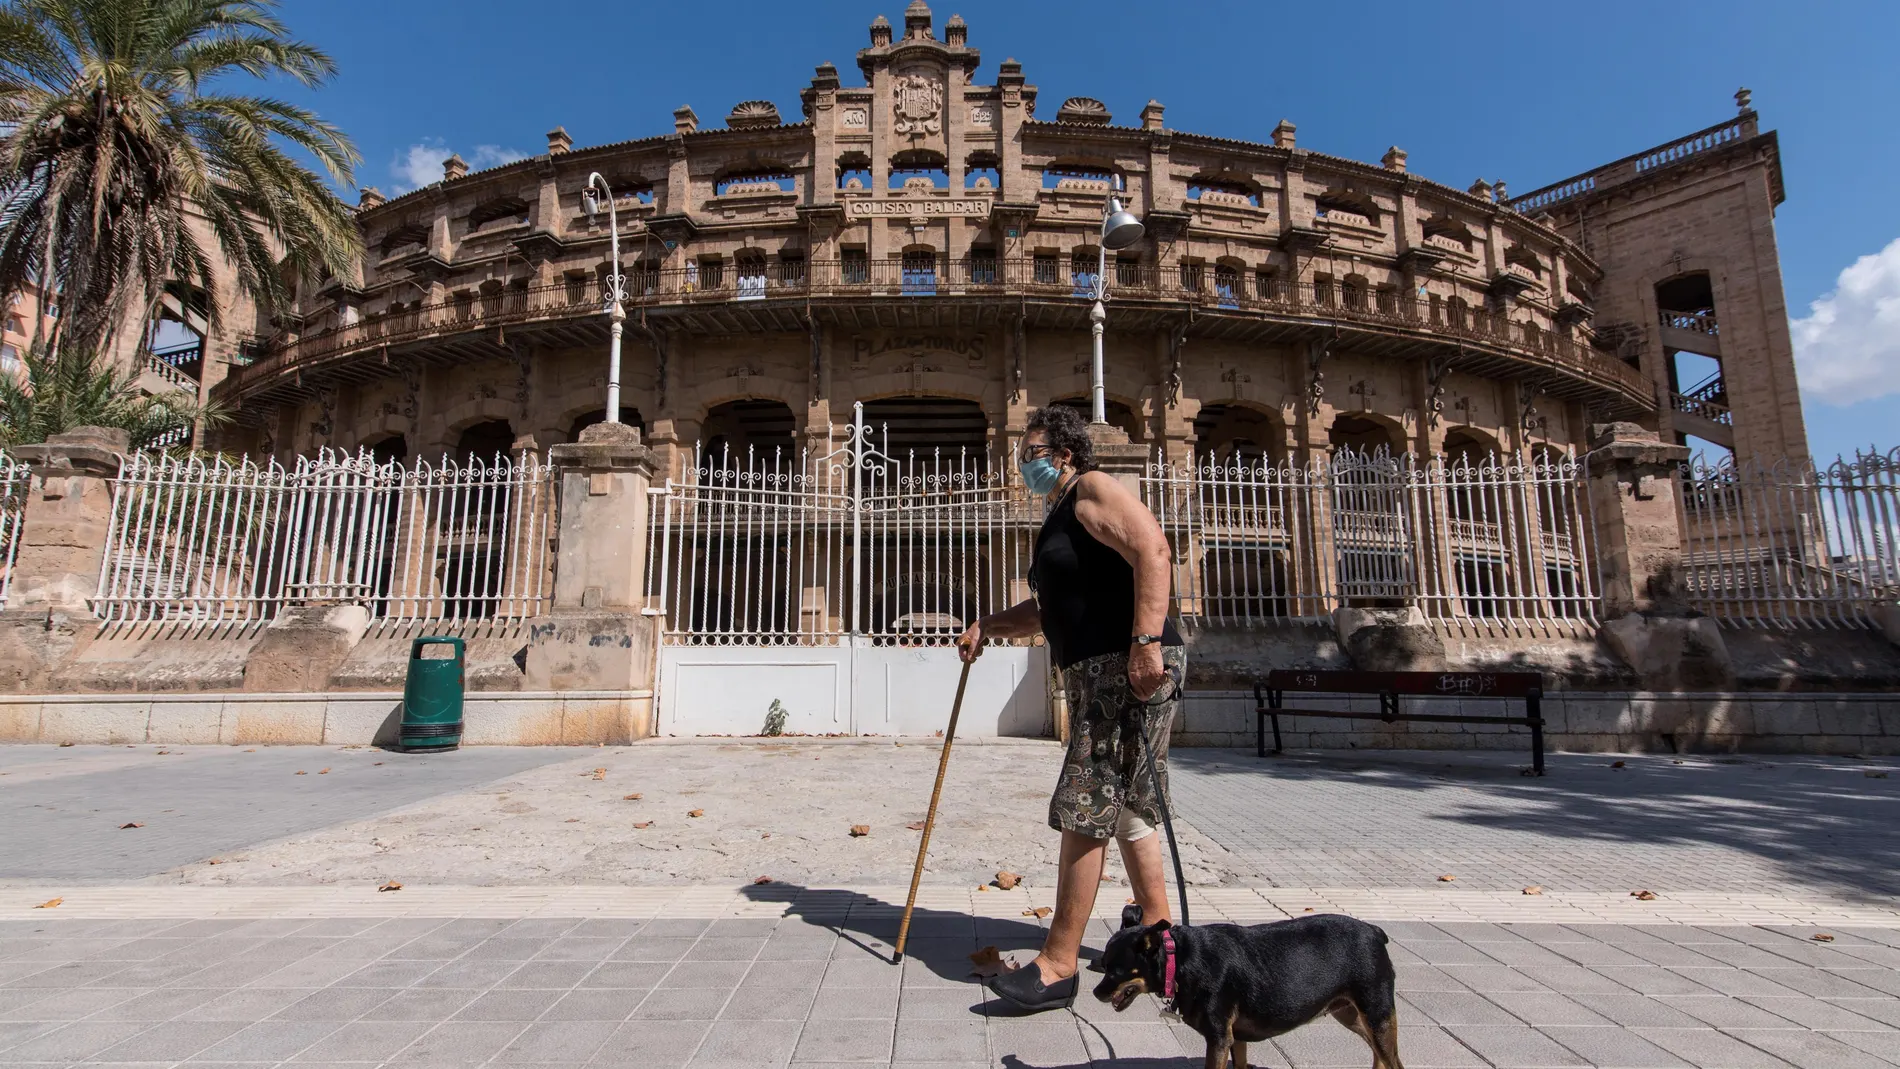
917, 276
1693, 322
1791, 545
172, 376
1499, 546
15, 480
1638, 165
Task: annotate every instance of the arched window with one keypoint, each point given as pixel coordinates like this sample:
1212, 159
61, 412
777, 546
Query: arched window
920, 271
854, 170
1082, 270
404, 238
503, 211
1079, 177
982, 170
919, 169
1225, 191
763, 180
485, 441
749, 268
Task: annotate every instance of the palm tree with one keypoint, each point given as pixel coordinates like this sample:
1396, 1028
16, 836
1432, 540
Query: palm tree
75, 388
120, 154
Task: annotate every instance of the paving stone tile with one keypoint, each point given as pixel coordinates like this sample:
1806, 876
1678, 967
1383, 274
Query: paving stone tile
581, 948
247, 1004
1707, 1048
607, 1004
553, 974
389, 974
1459, 1007
1428, 978
625, 974
1044, 1039
1883, 1045
652, 1044
1630, 1009
307, 973
364, 1041
857, 1003
725, 948
13, 1033
649, 947
1817, 983
933, 1003
1488, 978
1675, 957
706, 974
460, 1043
767, 1002
1425, 1046
1515, 1046
479, 975
71, 1004
602, 927
422, 1004
1614, 1048
683, 1004
860, 970
1722, 1011
335, 1004
572, 1042
1809, 1050
1450, 952
1735, 982
845, 1041
676, 926
741, 1043
545, 928
524, 1004
1542, 1009
171, 1041
1884, 980
1884, 1010
266, 1041
81, 973
1813, 1013
1571, 979
1655, 980
505, 948
965, 1039
72, 1042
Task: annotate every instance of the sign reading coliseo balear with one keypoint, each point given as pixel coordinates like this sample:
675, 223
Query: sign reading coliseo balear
918, 207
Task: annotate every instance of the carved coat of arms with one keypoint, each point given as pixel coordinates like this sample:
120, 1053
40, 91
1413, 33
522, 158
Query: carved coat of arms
919, 105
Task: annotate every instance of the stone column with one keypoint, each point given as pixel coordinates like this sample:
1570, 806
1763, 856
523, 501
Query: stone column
1127, 461
1646, 617
48, 617
599, 635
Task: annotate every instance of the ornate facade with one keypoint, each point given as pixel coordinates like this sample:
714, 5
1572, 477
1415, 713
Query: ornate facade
924, 243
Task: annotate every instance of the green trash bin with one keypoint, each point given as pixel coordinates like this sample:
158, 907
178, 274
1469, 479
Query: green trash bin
432, 695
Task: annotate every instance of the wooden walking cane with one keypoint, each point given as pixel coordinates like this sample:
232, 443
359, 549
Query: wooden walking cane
930, 819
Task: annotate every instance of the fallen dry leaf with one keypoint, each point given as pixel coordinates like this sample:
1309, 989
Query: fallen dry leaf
377, 763
1644, 896
1533, 889
163, 752
644, 824
390, 886
758, 881
986, 887
695, 812
1616, 764
50, 903
1821, 937
323, 771
1871, 774
934, 734
1447, 878
630, 797
600, 773
130, 824
1130, 902
251, 750
859, 831
572, 820
915, 825
301, 772
65, 744
988, 962
1008, 880
1039, 912
765, 835
1308, 909
215, 861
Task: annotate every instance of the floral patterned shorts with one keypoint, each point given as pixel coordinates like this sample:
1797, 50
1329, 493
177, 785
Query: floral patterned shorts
1104, 769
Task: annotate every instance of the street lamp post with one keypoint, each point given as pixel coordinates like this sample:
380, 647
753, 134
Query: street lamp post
616, 287
1119, 230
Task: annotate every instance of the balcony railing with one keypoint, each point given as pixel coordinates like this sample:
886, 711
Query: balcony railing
1693, 322
924, 277
1708, 399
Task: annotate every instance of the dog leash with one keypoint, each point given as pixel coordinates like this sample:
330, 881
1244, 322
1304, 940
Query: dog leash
1167, 824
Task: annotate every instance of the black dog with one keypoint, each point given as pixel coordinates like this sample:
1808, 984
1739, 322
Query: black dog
1238, 985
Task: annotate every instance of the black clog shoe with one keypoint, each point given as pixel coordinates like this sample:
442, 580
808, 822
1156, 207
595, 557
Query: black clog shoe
1024, 988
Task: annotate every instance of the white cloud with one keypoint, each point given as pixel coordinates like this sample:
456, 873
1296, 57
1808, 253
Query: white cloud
421, 163
1848, 345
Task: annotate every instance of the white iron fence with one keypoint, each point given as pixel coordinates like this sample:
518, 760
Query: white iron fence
801, 549
1791, 545
213, 541
1499, 545
14, 482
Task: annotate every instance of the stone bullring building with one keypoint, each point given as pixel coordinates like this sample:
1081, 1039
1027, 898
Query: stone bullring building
1385, 422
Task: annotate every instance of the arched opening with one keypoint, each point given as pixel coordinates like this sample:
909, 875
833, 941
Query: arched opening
628, 415
1477, 507
1115, 413
927, 426
1238, 436
982, 170
920, 270
503, 211
484, 442
854, 170
756, 428
1690, 294
390, 449
176, 335
919, 169
1361, 434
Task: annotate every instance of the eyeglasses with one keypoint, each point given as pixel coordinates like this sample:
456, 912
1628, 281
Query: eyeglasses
1034, 452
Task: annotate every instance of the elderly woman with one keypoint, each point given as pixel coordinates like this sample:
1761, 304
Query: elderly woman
1100, 577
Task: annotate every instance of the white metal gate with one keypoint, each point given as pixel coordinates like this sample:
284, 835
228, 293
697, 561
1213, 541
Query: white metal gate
823, 593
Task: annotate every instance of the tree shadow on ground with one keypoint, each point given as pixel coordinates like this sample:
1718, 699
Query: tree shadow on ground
1833, 821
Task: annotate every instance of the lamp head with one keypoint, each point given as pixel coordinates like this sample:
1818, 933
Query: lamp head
1119, 228
590, 201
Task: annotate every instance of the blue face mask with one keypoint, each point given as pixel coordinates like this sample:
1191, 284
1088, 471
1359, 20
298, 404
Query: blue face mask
1040, 475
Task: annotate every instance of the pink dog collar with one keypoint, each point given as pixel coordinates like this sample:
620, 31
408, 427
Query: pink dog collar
1167, 952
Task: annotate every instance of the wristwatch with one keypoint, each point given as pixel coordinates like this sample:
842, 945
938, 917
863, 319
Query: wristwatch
1147, 640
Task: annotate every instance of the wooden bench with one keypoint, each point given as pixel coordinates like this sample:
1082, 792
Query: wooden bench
1528, 687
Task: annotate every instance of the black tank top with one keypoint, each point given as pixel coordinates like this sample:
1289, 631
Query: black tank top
1085, 591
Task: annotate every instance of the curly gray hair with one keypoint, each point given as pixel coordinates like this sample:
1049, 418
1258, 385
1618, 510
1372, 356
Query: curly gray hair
1066, 430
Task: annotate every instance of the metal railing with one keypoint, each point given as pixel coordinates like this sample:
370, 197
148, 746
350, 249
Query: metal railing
210, 541
798, 549
15, 481
1693, 322
926, 276
1707, 399
1791, 545
1501, 545
1630, 167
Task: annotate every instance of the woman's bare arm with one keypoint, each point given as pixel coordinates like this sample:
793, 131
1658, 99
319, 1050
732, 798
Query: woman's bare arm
1021, 620
1120, 521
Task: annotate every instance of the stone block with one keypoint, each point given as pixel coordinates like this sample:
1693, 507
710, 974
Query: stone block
513, 721
1671, 653
253, 721
187, 723
302, 648
1389, 641
110, 722
362, 720
587, 721
1784, 718
1847, 718
19, 720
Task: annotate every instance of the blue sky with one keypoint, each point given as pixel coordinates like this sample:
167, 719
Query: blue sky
1526, 92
